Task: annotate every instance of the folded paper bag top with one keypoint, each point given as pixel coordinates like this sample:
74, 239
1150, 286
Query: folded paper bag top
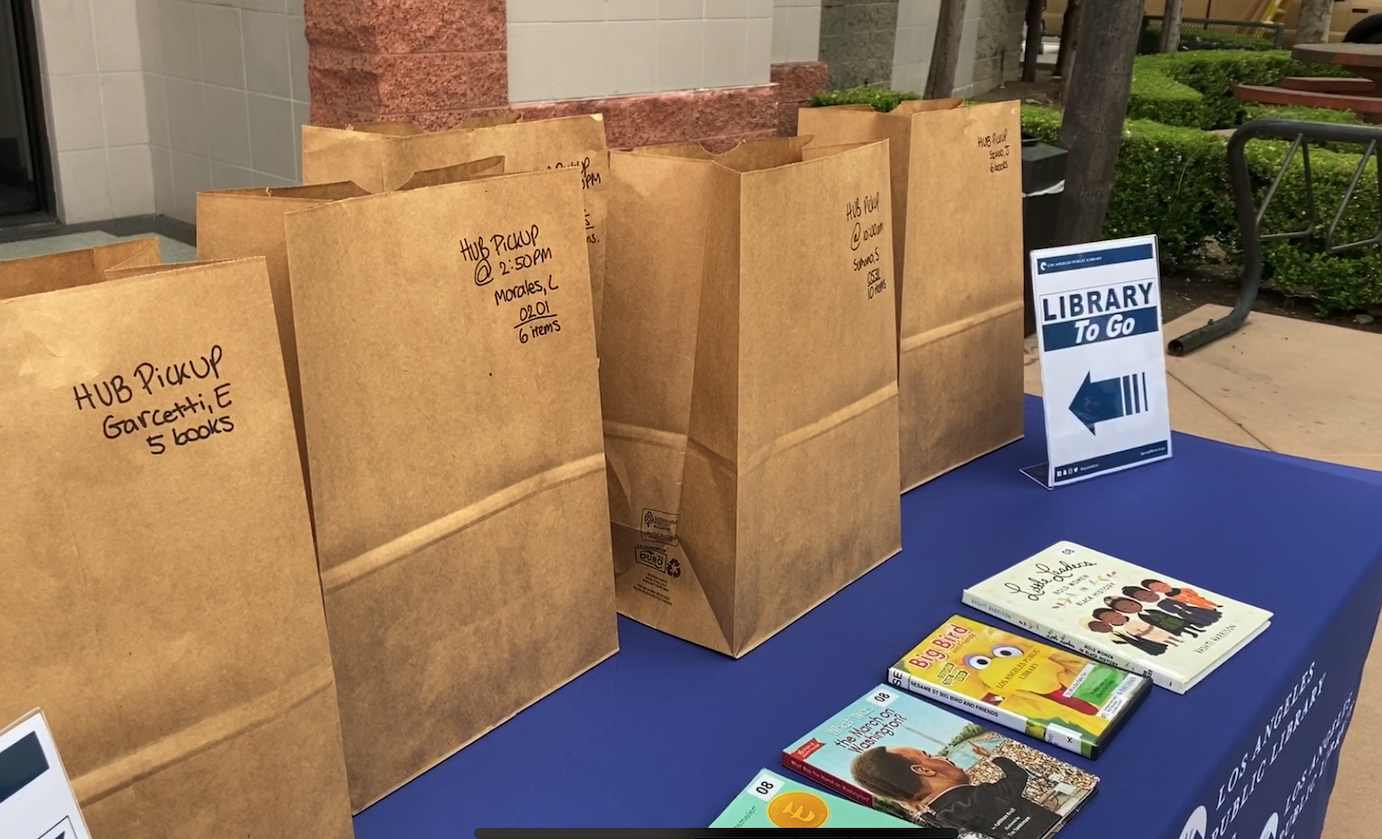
20, 277
382, 160
380, 157
452, 413
752, 440
404, 128
957, 244
745, 157
159, 569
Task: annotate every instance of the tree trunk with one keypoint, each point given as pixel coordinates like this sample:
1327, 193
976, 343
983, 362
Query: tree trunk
1092, 128
1312, 27
1069, 39
1033, 49
1170, 26
945, 54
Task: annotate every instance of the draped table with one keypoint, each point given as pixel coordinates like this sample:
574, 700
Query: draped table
664, 734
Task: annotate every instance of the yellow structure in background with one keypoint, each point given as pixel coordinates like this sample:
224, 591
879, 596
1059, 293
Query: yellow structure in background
1270, 10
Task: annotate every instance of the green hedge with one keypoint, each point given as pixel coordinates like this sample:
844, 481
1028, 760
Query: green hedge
1301, 268
1334, 283
1193, 38
1295, 112
1173, 181
1195, 89
882, 99
1298, 112
1170, 181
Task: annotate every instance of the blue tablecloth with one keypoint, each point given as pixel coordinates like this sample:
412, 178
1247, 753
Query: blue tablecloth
664, 734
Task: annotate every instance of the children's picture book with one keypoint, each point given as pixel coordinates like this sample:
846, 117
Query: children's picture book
771, 800
1121, 614
906, 757
1055, 695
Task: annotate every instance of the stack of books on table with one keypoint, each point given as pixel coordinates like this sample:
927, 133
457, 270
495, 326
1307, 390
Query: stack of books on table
892, 759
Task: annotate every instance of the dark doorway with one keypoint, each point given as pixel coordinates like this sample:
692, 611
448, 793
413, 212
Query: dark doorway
26, 193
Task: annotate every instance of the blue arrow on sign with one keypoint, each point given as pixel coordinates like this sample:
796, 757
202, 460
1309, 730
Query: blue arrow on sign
1109, 399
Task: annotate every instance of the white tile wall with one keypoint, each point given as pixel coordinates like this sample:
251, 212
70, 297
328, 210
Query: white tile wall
97, 117
149, 101
583, 49
796, 30
226, 84
916, 40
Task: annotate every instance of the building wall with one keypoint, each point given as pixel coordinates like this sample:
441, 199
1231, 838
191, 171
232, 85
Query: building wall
916, 39
997, 45
582, 49
93, 82
858, 41
226, 88
658, 70
150, 101
796, 31
434, 62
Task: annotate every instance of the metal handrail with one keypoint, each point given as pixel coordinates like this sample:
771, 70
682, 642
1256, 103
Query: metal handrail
1250, 217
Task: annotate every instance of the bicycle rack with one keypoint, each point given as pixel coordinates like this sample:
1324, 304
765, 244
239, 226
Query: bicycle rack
1250, 216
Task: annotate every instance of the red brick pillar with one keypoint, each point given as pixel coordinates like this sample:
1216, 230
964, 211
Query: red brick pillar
432, 61
796, 83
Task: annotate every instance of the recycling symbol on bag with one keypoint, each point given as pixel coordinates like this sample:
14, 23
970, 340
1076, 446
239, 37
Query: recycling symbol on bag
673, 568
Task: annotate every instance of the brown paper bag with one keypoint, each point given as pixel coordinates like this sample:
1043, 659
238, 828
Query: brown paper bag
380, 162
749, 384
447, 358
21, 277
403, 128
472, 170
236, 223
506, 118
160, 585
957, 242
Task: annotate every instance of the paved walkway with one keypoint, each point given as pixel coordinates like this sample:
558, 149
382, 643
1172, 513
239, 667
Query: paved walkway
1300, 388
171, 250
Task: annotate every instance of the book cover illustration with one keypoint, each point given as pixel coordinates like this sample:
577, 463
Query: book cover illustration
771, 800
1121, 613
1055, 695
904, 756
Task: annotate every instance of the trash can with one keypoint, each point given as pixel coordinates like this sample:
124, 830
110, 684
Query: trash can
1043, 181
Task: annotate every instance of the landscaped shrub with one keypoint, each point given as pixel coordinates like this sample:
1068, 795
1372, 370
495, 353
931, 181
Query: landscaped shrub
1334, 283
1158, 97
1301, 114
1174, 182
1170, 181
1254, 110
1195, 89
1347, 281
881, 99
1192, 38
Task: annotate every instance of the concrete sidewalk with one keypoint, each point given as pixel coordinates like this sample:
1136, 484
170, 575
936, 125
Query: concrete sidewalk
1300, 388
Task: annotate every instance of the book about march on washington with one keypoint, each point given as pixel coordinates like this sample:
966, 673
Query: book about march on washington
1056, 695
1121, 613
917, 761
770, 800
